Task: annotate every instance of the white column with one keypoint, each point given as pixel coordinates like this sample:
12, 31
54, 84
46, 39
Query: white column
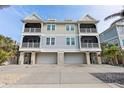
98, 41
88, 57
60, 58
79, 27
21, 58
21, 41
99, 57
33, 57
40, 42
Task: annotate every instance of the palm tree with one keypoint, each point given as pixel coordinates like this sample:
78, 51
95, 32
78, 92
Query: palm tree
8, 49
110, 53
118, 14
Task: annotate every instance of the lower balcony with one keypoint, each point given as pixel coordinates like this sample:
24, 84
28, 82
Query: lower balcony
89, 43
30, 45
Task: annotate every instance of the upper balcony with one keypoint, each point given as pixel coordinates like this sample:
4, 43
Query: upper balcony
87, 29
32, 28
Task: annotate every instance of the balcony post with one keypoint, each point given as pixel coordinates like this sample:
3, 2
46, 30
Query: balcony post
85, 30
33, 57
28, 45
92, 45
79, 27
80, 43
88, 57
33, 45
99, 57
87, 45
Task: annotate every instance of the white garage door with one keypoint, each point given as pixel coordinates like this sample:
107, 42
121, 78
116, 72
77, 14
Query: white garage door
74, 58
46, 58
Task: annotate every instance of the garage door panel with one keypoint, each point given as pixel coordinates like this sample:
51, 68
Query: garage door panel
46, 58
74, 58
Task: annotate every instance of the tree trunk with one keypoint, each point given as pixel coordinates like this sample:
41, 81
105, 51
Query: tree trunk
111, 60
116, 60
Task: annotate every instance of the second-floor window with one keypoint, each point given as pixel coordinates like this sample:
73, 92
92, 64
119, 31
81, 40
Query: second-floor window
50, 41
50, 27
69, 27
70, 41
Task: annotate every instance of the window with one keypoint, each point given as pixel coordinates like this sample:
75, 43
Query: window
48, 27
69, 27
47, 41
50, 41
51, 27
72, 28
67, 41
70, 41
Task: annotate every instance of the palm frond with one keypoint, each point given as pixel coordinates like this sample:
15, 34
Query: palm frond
113, 15
119, 20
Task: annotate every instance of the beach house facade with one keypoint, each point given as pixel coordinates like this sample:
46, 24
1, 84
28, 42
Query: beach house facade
59, 42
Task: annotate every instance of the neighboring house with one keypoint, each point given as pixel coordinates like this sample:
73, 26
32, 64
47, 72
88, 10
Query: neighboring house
114, 35
59, 42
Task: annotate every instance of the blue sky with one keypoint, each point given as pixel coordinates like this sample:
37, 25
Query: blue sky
10, 18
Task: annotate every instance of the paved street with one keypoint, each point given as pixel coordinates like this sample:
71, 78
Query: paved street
55, 76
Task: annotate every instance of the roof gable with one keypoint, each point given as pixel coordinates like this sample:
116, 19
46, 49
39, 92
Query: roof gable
33, 17
88, 18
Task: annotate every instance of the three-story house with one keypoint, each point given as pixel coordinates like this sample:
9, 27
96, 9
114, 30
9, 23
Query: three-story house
59, 42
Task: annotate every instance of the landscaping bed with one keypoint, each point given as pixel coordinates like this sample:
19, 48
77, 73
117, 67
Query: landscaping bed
110, 77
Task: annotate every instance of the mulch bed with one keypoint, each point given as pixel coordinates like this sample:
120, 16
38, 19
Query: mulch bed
110, 77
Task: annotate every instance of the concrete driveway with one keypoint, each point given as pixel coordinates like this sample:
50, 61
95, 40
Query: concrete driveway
55, 76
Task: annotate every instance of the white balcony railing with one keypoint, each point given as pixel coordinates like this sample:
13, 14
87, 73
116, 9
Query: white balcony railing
32, 30
88, 30
30, 45
89, 45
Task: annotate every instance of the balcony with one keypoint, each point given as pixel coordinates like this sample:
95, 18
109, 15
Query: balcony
88, 30
89, 45
30, 45
32, 30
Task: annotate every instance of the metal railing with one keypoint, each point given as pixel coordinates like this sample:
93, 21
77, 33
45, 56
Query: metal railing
88, 30
30, 45
89, 45
32, 30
